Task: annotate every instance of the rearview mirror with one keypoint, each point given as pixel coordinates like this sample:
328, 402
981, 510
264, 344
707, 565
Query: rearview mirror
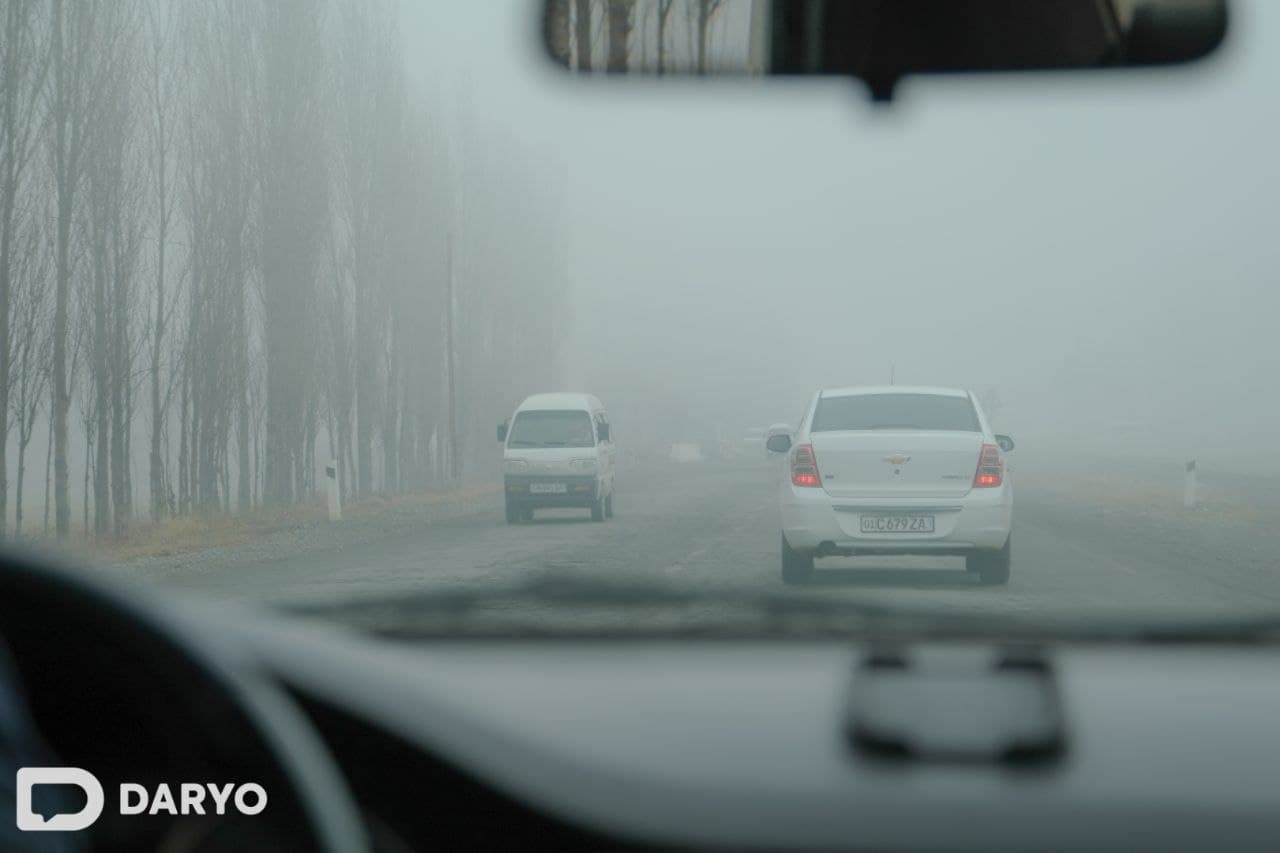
780, 443
502, 432
604, 432
1005, 442
876, 42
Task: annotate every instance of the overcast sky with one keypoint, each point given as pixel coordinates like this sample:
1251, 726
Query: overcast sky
1101, 249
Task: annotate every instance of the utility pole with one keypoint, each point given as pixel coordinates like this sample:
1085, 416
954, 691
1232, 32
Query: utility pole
455, 467
892, 371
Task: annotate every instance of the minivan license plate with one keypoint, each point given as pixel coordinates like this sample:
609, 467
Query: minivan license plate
548, 488
897, 524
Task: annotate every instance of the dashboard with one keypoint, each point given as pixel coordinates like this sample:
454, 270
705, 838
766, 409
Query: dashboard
630, 744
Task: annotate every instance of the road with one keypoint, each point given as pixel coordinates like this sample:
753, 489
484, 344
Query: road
716, 526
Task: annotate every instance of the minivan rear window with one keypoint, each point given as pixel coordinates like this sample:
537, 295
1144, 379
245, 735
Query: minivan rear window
552, 429
895, 411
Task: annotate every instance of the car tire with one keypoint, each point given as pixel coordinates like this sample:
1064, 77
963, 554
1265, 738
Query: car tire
992, 567
597, 510
526, 515
797, 566
513, 513
608, 506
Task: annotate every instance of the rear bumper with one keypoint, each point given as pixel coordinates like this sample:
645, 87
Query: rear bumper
580, 490
814, 521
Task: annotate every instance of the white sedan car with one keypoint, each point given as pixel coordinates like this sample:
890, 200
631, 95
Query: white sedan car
896, 470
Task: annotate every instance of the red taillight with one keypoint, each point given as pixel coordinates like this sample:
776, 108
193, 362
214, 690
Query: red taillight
990, 471
804, 467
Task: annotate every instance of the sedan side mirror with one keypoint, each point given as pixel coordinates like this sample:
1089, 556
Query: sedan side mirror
603, 430
1005, 442
780, 443
502, 432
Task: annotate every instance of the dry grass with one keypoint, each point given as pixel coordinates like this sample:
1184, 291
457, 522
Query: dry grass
202, 532
1161, 500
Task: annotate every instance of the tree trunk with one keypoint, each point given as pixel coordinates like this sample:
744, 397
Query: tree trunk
704, 15
159, 486
365, 396
101, 396
582, 33
48, 484
88, 471
184, 446
557, 30
17, 497
664, 13
620, 14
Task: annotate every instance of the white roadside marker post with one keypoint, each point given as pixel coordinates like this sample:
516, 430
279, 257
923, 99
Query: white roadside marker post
335, 494
1189, 487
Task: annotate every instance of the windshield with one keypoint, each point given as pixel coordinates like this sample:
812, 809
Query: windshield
277, 274
551, 429
895, 411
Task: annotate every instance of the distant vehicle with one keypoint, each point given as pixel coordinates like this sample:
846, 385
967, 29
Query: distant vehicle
686, 452
896, 470
558, 451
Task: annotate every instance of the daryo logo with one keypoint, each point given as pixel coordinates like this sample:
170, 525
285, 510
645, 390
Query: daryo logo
192, 798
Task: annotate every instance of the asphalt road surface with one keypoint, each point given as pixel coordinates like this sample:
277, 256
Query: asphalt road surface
717, 526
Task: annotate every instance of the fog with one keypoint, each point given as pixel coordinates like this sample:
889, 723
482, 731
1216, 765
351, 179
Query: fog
246, 246
1097, 248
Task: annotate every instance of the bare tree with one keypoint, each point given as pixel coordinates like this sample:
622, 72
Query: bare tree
557, 29
664, 18
582, 33
160, 72
704, 11
82, 46
290, 165
31, 350
114, 235
621, 19
370, 110
23, 65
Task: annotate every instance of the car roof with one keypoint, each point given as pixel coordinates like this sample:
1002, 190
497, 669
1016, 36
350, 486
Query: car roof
560, 400
854, 390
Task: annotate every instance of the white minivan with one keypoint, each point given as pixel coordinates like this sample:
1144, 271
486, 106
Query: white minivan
557, 452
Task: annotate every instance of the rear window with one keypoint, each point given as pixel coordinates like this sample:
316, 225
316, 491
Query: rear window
552, 429
895, 411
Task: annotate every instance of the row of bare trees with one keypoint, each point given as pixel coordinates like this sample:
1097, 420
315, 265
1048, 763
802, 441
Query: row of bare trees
234, 245
618, 35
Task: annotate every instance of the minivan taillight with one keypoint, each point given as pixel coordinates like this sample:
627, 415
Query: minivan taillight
804, 467
990, 471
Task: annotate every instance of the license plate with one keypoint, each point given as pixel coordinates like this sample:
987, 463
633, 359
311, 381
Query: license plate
897, 524
548, 488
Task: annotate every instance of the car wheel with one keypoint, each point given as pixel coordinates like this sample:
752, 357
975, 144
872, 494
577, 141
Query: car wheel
527, 515
513, 513
797, 566
608, 506
992, 567
597, 510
